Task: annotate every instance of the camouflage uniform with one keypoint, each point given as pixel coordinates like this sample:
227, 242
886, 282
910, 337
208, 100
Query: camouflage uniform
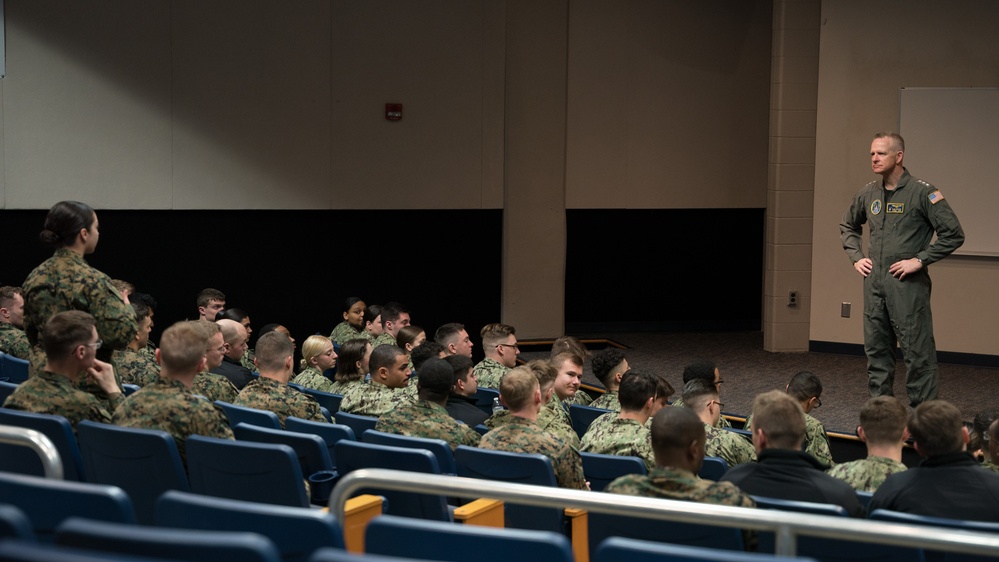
66, 282
732, 447
341, 388
497, 419
50, 393
989, 465
344, 332
581, 398
489, 372
372, 399
170, 406
14, 342
134, 367
607, 401
268, 394
623, 437
521, 435
215, 387
678, 484
383, 339
313, 378
554, 419
817, 442
429, 420
867, 474
411, 390
87, 384
247, 360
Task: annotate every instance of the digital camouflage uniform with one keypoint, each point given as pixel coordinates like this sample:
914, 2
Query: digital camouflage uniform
902, 223
66, 282
384, 338
268, 394
247, 360
215, 387
489, 373
989, 465
866, 475
50, 393
429, 420
412, 389
817, 442
372, 399
623, 437
89, 385
170, 406
341, 387
313, 378
497, 419
554, 418
607, 401
14, 342
134, 367
678, 484
581, 398
521, 435
730, 446
344, 332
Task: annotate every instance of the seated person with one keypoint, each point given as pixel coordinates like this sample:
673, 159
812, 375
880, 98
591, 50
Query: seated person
521, 393
132, 364
317, 357
992, 449
609, 365
275, 355
168, 404
352, 326
701, 396
234, 335
806, 388
395, 316
626, 435
784, 471
427, 416
455, 339
568, 377
13, 340
372, 322
241, 316
70, 341
389, 372
548, 419
461, 402
572, 346
706, 370
352, 365
499, 343
210, 385
882, 428
948, 483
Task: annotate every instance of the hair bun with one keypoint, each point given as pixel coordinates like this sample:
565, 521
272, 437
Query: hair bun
48, 237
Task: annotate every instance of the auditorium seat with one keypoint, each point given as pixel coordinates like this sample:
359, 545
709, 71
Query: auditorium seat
583, 416
242, 470
358, 423
601, 470
16, 458
440, 448
617, 549
252, 416
331, 433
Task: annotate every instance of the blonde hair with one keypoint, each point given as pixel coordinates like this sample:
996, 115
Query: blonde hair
313, 347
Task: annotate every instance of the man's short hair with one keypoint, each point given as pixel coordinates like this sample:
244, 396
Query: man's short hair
559, 359
7, 293
494, 334
604, 361
436, 380
182, 346
897, 142
141, 310
460, 364
937, 428
271, 351
210, 328
517, 387
572, 345
804, 386
383, 356
424, 351
544, 371
781, 418
698, 392
448, 332
392, 311
144, 298
700, 369
206, 296
674, 429
236, 314
883, 419
123, 286
636, 389
65, 331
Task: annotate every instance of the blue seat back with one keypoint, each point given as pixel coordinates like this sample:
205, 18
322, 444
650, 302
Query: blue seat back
601, 470
359, 424
330, 433
13, 369
296, 532
519, 468
252, 416
23, 551
603, 526
440, 448
485, 398
242, 470
6, 389
14, 458
181, 544
713, 468
142, 462
47, 503
130, 389
583, 416
14, 524
354, 455
618, 549
340, 555
311, 449
327, 400
430, 540
964, 525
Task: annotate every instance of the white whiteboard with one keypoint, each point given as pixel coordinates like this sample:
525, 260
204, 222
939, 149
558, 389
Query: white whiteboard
952, 141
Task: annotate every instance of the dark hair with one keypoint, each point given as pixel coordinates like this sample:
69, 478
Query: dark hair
65, 331
64, 222
141, 309
371, 312
424, 351
461, 365
804, 386
392, 311
936, 427
604, 362
208, 295
700, 369
636, 389
351, 301
698, 392
436, 379
383, 356
407, 335
448, 331
144, 298
350, 353
236, 314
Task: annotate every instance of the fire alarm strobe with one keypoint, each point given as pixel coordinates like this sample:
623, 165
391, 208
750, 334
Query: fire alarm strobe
393, 111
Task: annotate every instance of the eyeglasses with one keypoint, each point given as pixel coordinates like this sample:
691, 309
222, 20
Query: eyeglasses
96, 345
719, 381
818, 402
513, 345
720, 405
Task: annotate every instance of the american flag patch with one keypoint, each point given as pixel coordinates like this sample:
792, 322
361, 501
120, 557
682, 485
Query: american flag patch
936, 197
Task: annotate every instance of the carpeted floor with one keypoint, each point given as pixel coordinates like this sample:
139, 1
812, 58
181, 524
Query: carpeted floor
748, 370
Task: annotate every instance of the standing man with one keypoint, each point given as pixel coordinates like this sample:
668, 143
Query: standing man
210, 303
904, 213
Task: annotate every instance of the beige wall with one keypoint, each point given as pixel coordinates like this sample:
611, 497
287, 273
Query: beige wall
863, 64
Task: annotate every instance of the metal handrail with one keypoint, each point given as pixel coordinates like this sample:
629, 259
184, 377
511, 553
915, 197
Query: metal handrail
786, 525
39, 443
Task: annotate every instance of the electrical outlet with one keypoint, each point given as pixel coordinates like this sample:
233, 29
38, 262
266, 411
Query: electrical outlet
844, 310
792, 298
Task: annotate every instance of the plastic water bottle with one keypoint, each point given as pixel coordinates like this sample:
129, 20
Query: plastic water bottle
497, 407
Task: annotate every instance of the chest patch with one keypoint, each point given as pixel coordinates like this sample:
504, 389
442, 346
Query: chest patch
895, 208
876, 207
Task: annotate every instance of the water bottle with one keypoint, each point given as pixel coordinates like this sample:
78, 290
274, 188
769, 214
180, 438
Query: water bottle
497, 407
